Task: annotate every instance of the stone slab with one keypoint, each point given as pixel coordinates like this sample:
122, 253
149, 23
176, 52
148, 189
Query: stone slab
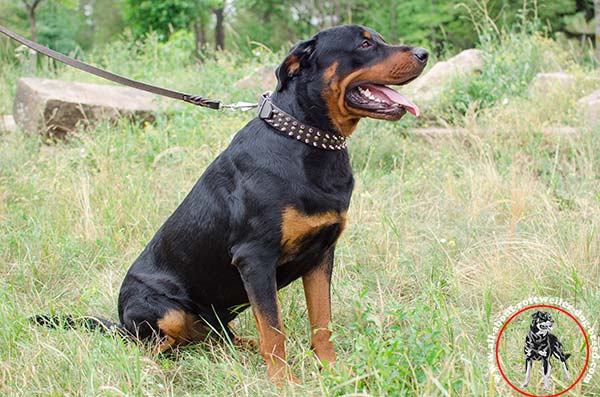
57, 107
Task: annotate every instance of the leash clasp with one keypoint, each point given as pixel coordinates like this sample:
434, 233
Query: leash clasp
241, 106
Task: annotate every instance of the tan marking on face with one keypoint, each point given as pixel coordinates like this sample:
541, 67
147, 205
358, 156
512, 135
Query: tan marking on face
296, 225
292, 64
329, 73
330, 96
395, 69
367, 35
181, 328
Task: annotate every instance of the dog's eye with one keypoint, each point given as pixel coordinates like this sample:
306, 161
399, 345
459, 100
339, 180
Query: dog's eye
366, 44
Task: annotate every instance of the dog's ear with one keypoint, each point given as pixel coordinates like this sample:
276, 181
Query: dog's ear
298, 59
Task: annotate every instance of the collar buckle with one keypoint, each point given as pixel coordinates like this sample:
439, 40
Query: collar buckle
265, 106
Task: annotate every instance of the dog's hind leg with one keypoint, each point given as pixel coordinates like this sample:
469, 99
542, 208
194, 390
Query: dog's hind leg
528, 364
566, 369
559, 353
546, 367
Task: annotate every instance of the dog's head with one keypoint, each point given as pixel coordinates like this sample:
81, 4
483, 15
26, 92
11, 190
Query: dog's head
344, 72
541, 322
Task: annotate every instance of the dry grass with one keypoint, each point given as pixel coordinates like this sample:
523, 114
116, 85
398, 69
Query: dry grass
442, 235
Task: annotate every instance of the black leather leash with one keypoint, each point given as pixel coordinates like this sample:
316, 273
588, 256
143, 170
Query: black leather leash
193, 99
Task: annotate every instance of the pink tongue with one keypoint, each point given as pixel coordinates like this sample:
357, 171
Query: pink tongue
393, 96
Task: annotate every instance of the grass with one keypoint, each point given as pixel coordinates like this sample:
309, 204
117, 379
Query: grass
442, 236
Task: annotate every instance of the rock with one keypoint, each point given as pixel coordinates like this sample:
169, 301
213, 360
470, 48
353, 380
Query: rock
430, 133
439, 133
56, 107
261, 80
589, 107
547, 83
7, 124
431, 85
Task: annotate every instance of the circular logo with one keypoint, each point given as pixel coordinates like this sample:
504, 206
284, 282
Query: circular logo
542, 349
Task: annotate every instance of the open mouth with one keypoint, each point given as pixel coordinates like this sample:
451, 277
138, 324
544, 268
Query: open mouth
380, 100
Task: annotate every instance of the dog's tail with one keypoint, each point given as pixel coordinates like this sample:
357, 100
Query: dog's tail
90, 323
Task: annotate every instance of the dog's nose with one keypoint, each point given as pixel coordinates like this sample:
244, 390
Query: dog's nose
421, 54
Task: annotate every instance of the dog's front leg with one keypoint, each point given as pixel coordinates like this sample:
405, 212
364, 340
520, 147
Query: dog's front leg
546, 367
528, 364
318, 301
258, 276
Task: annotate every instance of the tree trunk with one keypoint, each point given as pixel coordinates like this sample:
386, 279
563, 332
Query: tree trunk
597, 19
32, 23
219, 29
31, 8
338, 13
200, 35
393, 22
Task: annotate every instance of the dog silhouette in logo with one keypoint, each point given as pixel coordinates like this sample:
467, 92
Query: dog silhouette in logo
541, 345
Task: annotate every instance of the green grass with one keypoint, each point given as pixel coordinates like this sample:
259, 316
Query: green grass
442, 236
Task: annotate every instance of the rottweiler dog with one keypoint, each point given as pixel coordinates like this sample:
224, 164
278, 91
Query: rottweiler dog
271, 206
541, 345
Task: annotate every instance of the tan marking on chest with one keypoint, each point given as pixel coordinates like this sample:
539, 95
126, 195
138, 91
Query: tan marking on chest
295, 225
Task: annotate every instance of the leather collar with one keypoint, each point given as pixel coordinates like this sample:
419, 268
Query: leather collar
291, 127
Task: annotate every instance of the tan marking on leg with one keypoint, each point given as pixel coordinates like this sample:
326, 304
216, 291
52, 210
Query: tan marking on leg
272, 348
318, 302
296, 225
182, 327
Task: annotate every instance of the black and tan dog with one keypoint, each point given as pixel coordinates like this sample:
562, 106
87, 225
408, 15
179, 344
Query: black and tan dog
271, 207
541, 345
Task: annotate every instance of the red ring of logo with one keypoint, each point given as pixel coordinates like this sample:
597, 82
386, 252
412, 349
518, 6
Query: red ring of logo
587, 348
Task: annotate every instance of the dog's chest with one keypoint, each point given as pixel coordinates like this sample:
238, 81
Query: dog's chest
309, 235
540, 346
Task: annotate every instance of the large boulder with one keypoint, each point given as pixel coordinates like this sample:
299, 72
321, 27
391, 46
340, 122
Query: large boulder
432, 84
589, 108
548, 83
7, 124
57, 107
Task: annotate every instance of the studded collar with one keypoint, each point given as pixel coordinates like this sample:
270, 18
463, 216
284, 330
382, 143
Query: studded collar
294, 129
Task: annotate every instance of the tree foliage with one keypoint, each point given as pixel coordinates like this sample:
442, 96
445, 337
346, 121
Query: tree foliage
440, 25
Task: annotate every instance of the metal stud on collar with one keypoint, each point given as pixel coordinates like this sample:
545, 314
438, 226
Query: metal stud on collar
292, 128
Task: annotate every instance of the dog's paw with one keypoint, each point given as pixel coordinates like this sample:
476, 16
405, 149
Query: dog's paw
524, 385
546, 386
246, 343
